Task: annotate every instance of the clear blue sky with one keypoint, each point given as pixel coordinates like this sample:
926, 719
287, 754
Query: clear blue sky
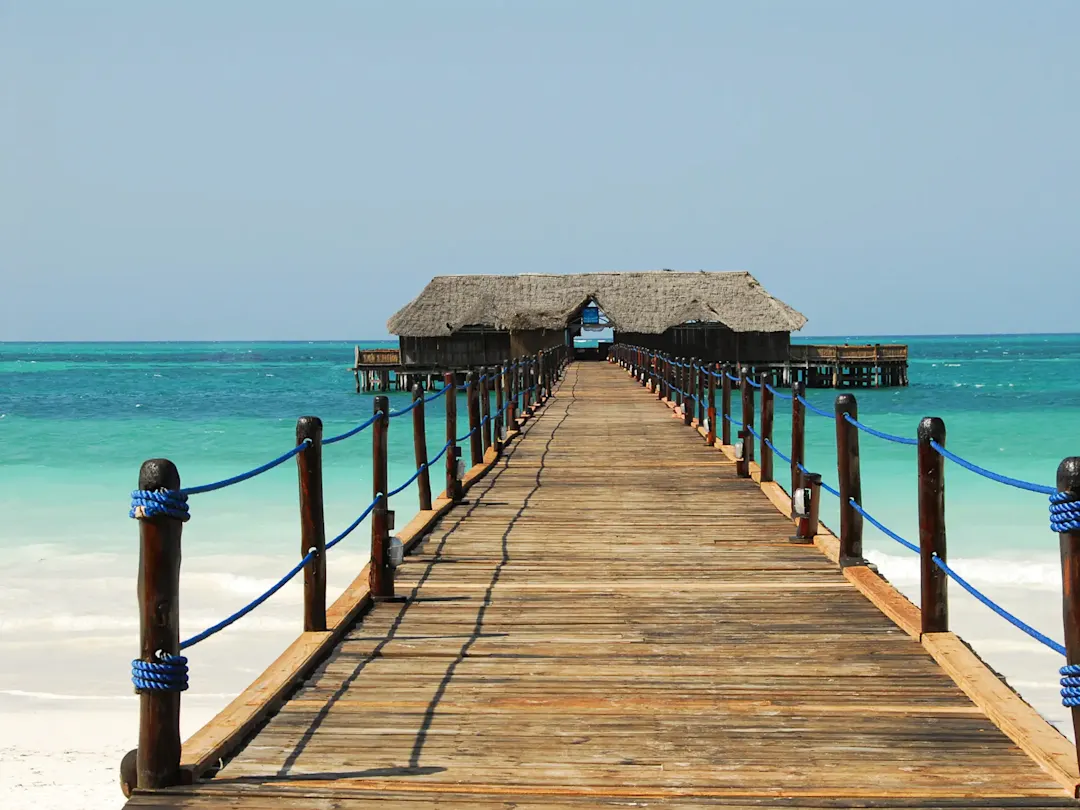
271, 170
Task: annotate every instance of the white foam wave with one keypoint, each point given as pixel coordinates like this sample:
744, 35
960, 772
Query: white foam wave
979, 571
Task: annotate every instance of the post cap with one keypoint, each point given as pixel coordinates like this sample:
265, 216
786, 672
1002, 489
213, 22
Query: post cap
931, 428
846, 403
158, 473
1068, 475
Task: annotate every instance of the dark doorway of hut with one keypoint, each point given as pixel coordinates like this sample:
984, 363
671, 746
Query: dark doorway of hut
589, 332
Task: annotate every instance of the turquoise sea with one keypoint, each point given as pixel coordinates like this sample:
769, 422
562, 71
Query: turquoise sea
77, 420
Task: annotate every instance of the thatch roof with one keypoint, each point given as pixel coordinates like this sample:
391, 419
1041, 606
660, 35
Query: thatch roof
645, 302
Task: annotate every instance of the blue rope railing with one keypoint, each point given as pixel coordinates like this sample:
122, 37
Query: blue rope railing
250, 606
818, 411
777, 453
881, 527
993, 476
236, 479
889, 437
733, 420
169, 673
349, 433
352, 526
436, 395
750, 381
1064, 512
404, 411
824, 486
776, 393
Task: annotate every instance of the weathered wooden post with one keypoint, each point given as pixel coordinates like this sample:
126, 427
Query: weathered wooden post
158, 758
472, 402
808, 511
526, 386
453, 452
312, 524
710, 439
798, 434
847, 470
688, 387
423, 483
498, 419
702, 387
725, 405
381, 575
935, 595
1068, 484
486, 375
661, 376
767, 405
541, 380
747, 392
511, 394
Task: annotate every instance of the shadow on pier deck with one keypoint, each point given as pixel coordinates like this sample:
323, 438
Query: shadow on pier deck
614, 618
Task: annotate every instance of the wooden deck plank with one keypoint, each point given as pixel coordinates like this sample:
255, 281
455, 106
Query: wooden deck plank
614, 616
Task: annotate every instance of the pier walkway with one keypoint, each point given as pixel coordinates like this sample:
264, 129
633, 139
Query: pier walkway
613, 617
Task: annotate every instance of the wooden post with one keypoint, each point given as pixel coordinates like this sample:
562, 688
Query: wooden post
485, 408
1068, 480
798, 434
526, 373
807, 527
498, 419
312, 524
767, 405
453, 486
702, 387
158, 758
541, 378
747, 392
472, 401
381, 575
661, 377
935, 598
725, 405
423, 483
710, 439
688, 387
847, 470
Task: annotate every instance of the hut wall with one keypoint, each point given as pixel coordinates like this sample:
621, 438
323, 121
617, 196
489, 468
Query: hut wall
462, 350
531, 341
715, 342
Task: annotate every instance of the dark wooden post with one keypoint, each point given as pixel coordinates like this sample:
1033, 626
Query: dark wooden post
498, 420
485, 406
510, 380
158, 759
747, 392
847, 470
935, 598
526, 394
661, 373
453, 453
688, 387
767, 405
312, 524
702, 387
423, 483
725, 405
710, 439
798, 434
1068, 480
381, 575
472, 401
807, 527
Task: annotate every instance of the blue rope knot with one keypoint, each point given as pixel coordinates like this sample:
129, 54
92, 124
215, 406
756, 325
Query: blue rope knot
1070, 685
1065, 514
168, 674
148, 503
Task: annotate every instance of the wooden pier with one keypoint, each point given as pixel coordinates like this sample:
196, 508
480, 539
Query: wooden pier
615, 615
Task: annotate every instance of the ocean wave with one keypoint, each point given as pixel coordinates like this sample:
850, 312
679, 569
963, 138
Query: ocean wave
979, 571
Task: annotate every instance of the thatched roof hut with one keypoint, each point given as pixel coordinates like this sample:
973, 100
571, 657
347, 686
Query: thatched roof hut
634, 303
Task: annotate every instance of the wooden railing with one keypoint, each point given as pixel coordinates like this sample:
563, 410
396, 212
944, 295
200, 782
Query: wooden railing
863, 353
519, 385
